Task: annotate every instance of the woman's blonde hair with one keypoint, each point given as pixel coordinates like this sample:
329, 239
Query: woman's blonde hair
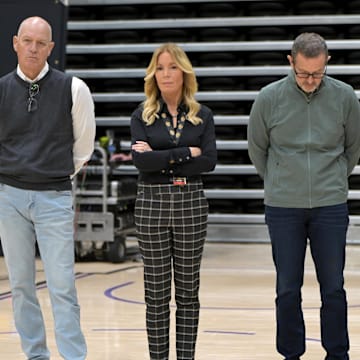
152, 103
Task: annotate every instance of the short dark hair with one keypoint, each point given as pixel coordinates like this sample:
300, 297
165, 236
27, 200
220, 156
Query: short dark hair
310, 45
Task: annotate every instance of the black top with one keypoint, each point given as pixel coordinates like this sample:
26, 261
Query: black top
171, 156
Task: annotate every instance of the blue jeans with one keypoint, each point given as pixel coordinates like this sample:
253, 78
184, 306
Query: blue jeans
289, 230
46, 217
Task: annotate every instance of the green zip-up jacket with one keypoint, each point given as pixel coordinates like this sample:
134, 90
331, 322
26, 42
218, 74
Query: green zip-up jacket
305, 147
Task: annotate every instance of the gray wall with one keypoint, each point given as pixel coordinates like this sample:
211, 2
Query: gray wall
12, 12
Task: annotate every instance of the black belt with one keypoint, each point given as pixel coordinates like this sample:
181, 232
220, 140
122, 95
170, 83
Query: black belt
175, 180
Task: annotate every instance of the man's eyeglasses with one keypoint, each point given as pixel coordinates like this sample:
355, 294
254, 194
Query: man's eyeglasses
32, 102
306, 75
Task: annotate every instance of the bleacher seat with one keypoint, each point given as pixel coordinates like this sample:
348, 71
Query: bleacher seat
315, 7
253, 182
173, 35
118, 84
217, 59
122, 61
267, 8
121, 37
327, 32
217, 34
352, 7
121, 12
353, 32
226, 206
80, 61
216, 83
223, 107
115, 108
267, 33
80, 13
169, 11
254, 206
267, 58
219, 9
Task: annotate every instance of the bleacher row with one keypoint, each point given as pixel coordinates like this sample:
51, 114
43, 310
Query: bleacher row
236, 48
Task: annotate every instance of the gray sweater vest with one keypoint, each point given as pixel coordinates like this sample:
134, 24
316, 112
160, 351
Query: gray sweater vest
36, 147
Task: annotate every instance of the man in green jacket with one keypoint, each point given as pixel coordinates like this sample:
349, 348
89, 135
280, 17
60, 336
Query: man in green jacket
304, 140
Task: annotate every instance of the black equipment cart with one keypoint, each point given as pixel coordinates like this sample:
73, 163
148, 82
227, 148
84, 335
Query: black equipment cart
103, 211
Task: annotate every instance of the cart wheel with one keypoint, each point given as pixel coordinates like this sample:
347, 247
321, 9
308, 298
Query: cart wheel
78, 247
117, 250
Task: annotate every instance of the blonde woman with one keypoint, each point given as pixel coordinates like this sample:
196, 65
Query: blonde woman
173, 143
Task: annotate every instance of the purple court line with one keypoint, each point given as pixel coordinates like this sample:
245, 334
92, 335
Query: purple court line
229, 332
42, 285
219, 332
312, 339
205, 331
109, 293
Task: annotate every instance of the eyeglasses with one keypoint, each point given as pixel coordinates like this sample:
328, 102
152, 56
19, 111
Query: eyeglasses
32, 102
306, 75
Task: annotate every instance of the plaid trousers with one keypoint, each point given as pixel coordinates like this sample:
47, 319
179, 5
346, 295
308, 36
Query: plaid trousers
171, 224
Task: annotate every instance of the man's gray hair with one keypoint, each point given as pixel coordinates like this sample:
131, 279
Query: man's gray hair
310, 45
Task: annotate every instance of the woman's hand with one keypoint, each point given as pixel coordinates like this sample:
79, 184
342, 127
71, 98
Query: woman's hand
195, 151
141, 146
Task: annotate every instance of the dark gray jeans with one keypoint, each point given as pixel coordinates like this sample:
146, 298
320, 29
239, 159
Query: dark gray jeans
289, 230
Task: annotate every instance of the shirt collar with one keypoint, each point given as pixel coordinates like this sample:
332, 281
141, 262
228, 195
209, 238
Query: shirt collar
42, 73
163, 107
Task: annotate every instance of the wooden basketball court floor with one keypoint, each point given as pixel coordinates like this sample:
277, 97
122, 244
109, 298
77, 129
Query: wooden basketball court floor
237, 307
